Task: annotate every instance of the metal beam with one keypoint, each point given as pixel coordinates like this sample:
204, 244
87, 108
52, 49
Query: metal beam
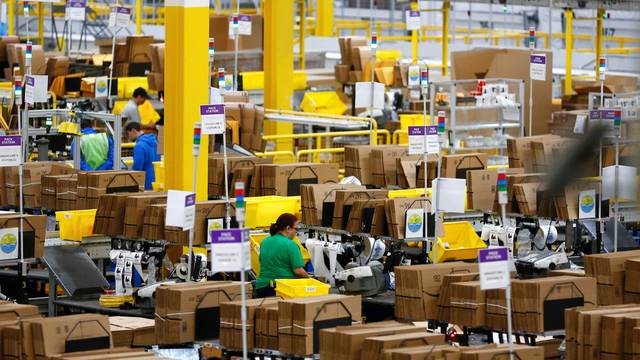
599, 39
324, 22
11, 17
138, 17
568, 48
41, 24
446, 5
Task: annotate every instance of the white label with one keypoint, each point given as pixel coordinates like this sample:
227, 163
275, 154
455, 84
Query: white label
228, 248
120, 16
581, 121
10, 150
494, 268
413, 78
587, 204
102, 87
413, 20
538, 70
9, 244
214, 224
212, 119
363, 95
626, 179
451, 194
418, 138
244, 25
75, 10
181, 209
35, 90
414, 224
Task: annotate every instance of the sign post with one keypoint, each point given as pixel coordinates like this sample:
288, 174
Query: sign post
495, 274
244, 263
374, 47
119, 18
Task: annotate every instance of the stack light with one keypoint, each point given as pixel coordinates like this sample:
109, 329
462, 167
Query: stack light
617, 119
602, 63
502, 187
532, 38
424, 77
196, 139
212, 47
374, 40
29, 51
235, 21
25, 9
221, 79
18, 89
441, 121
240, 203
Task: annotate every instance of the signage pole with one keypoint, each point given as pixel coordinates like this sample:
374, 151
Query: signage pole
26, 16
240, 216
532, 45
509, 321
602, 63
196, 153
225, 158
236, 33
441, 130
374, 46
424, 82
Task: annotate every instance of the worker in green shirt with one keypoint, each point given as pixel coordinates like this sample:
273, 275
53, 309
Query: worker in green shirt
280, 257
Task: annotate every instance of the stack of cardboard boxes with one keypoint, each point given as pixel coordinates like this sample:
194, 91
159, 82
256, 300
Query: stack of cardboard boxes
155, 78
285, 179
133, 56
132, 331
33, 172
239, 169
354, 54
231, 322
609, 271
119, 214
93, 184
33, 235
267, 326
318, 202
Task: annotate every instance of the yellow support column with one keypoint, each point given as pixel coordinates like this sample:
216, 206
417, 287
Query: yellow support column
568, 49
599, 38
445, 37
302, 10
278, 65
138, 17
324, 18
186, 77
11, 17
414, 38
41, 24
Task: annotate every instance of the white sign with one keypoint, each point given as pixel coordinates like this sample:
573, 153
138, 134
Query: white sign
413, 20
538, 67
587, 204
101, 87
213, 119
363, 95
244, 25
228, 247
75, 10
9, 244
417, 137
494, 268
451, 194
413, 76
627, 180
423, 4
181, 209
120, 16
414, 224
581, 122
10, 150
35, 90
214, 224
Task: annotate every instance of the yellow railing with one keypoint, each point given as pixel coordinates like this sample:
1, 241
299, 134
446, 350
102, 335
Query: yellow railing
316, 153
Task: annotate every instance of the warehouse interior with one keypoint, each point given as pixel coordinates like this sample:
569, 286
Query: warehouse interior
320, 179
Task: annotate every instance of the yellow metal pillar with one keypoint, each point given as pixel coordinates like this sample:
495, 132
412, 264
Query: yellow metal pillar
302, 10
445, 37
599, 38
278, 65
414, 38
568, 49
11, 17
186, 75
138, 17
41, 24
324, 18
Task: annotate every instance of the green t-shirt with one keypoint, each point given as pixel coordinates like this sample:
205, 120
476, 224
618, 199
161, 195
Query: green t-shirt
279, 256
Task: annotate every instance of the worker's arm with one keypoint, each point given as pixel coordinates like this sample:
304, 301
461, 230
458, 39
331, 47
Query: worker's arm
296, 261
138, 158
108, 164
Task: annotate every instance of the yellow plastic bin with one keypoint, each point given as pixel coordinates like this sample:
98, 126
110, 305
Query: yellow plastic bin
76, 224
298, 288
262, 211
460, 242
407, 120
408, 193
323, 102
256, 240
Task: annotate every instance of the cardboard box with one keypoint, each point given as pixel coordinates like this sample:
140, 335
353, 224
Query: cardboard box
444, 300
318, 202
132, 331
234, 164
285, 179
419, 286
346, 342
502, 352
4, 41
344, 200
482, 191
362, 216
231, 322
35, 229
612, 333
539, 304
57, 335
512, 63
456, 166
437, 352
373, 348
134, 209
207, 213
609, 271
396, 214
185, 312
31, 181
468, 304
267, 326
383, 164
153, 226
300, 321
632, 276
91, 185
57, 66
520, 152
67, 193
356, 162
342, 73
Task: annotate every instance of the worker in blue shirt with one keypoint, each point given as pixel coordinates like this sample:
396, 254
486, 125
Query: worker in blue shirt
96, 148
145, 152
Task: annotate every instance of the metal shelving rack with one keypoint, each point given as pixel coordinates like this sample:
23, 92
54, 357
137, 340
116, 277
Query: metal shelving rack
452, 88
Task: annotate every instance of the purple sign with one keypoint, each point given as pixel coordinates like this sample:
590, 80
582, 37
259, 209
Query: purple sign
493, 255
190, 200
538, 59
414, 13
76, 4
31, 81
229, 236
10, 140
608, 114
244, 18
421, 130
123, 10
212, 109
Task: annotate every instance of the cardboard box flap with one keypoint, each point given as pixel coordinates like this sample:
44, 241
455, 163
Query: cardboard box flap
87, 335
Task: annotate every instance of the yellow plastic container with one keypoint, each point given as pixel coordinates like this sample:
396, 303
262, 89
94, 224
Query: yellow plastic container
158, 168
391, 55
299, 288
407, 120
256, 240
262, 211
460, 242
408, 193
254, 80
76, 224
323, 102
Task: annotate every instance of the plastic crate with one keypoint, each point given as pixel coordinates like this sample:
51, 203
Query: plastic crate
323, 102
254, 80
298, 288
408, 193
76, 224
262, 211
460, 242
